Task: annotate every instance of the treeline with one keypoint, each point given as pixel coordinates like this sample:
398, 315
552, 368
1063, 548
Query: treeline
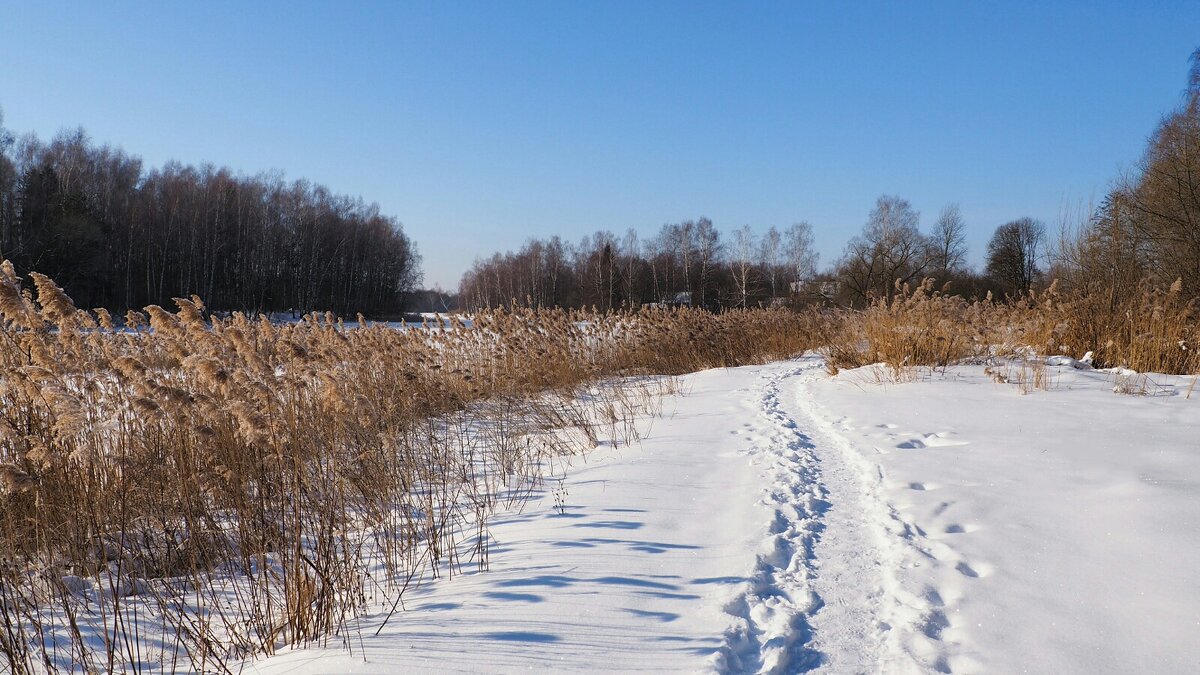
686, 263
1144, 236
692, 263
119, 236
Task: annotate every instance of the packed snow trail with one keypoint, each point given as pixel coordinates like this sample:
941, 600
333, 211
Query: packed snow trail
872, 621
774, 614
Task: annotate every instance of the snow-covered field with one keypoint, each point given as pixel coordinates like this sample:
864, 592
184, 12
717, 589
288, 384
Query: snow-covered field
775, 519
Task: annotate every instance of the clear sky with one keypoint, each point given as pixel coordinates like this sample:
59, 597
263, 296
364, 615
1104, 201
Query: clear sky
479, 125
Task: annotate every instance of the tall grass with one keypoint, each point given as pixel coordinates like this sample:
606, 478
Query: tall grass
188, 490
1151, 330
916, 327
1154, 330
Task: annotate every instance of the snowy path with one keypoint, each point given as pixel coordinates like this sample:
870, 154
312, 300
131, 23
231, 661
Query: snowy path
776, 520
825, 595
726, 541
873, 623
820, 585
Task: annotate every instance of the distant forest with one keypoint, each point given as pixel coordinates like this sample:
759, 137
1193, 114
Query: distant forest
118, 236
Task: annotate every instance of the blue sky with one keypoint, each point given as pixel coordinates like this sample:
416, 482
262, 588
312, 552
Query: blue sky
479, 125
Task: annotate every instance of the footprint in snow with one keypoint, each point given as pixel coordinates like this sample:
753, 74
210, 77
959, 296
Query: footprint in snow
943, 439
940, 439
976, 571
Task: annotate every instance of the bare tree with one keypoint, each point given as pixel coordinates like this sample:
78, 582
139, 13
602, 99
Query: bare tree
890, 251
741, 264
8, 192
770, 258
708, 250
949, 240
1194, 72
1013, 253
798, 252
685, 250
557, 253
1103, 258
668, 254
630, 262
1165, 198
7, 139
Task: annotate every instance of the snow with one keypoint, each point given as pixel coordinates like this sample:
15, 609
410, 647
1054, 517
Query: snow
1082, 364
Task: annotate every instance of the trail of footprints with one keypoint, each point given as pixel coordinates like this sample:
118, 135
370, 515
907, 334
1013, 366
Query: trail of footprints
777, 607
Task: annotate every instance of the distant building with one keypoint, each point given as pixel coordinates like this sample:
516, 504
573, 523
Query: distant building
816, 289
682, 299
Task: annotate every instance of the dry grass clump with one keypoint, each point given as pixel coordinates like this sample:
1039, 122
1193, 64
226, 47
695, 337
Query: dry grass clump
1027, 371
191, 489
918, 327
1151, 330
1154, 330
679, 341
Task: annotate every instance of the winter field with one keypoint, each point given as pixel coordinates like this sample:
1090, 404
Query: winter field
412, 337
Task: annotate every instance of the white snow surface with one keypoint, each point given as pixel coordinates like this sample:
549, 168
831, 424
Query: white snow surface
776, 519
